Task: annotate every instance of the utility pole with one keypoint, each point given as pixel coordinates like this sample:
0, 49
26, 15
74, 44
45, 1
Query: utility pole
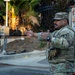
5, 30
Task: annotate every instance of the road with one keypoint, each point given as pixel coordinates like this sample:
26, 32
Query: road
18, 70
33, 63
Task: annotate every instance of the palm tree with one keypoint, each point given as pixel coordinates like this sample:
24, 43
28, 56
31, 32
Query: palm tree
13, 12
22, 9
28, 14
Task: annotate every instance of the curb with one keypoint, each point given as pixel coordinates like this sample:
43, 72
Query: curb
16, 56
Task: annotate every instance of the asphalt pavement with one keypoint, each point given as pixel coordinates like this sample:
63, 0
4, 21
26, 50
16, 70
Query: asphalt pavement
29, 63
17, 70
35, 59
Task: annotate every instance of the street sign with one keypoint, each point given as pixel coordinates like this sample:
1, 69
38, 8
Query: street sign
4, 31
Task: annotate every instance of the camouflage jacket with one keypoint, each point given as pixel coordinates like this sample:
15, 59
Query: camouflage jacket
63, 40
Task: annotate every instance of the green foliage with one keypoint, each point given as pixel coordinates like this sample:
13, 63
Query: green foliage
33, 3
31, 6
42, 44
31, 13
2, 8
61, 5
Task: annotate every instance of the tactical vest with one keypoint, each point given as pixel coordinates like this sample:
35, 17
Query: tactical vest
65, 54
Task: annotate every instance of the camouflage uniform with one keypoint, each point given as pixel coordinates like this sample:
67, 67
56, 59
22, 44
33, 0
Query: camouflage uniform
62, 40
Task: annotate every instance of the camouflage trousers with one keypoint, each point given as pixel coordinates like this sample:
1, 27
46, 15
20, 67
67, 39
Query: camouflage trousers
62, 68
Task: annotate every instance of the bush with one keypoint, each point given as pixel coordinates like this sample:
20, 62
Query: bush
42, 44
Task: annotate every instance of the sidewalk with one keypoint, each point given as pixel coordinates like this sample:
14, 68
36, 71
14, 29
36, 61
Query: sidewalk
30, 59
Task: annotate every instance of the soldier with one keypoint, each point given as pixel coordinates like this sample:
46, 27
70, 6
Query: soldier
61, 50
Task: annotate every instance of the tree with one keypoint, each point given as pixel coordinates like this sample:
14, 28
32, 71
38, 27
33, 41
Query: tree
22, 9
62, 5
47, 13
2, 12
49, 8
